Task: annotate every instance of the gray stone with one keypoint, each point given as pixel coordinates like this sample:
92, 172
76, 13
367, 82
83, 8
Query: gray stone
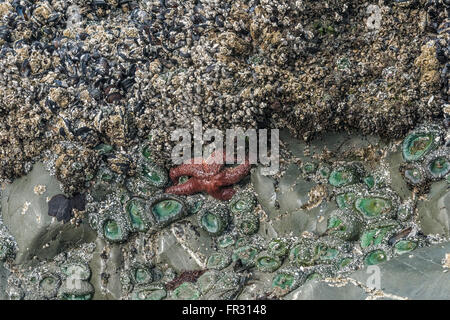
320, 290
419, 275
109, 265
434, 213
265, 191
25, 214
179, 256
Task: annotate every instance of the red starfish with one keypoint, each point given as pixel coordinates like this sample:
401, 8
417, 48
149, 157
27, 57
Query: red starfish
207, 176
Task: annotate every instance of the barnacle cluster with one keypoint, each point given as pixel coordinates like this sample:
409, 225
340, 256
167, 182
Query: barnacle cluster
78, 76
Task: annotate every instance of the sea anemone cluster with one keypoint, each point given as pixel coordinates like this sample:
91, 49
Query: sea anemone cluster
84, 76
426, 157
66, 277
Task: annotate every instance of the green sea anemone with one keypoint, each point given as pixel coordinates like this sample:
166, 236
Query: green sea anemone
164, 209
148, 292
153, 175
378, 233
218, 261
438, 164
373, 207
267, 262
375, 257
343, 226
404, 246
419, 143
135, 209
344, 176
186, 291
214, 219
243, 202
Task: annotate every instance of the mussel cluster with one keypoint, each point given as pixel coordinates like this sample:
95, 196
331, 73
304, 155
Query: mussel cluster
78, 76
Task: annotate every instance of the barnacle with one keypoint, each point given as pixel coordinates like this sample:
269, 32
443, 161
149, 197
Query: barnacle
7, 248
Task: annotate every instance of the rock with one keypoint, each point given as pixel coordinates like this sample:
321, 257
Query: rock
265, 191
320, 290
419, 275
178, 256
293, 190
106, 262
25, 214
434, 213
292, 194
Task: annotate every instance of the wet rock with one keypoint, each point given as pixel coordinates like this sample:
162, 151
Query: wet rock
320, 290
293, 190
25, 214
434, 213
105, 265
420, 275
176, 255
265, 190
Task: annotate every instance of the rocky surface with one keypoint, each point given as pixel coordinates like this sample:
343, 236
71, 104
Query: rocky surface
25, 214
434, 213
90, 92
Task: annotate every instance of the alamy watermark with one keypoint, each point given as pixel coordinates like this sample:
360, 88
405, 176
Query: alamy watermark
208, 145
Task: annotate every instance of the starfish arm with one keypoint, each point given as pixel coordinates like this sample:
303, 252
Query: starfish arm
199, 170
223, 194
234, 175
189, 187
187, 169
